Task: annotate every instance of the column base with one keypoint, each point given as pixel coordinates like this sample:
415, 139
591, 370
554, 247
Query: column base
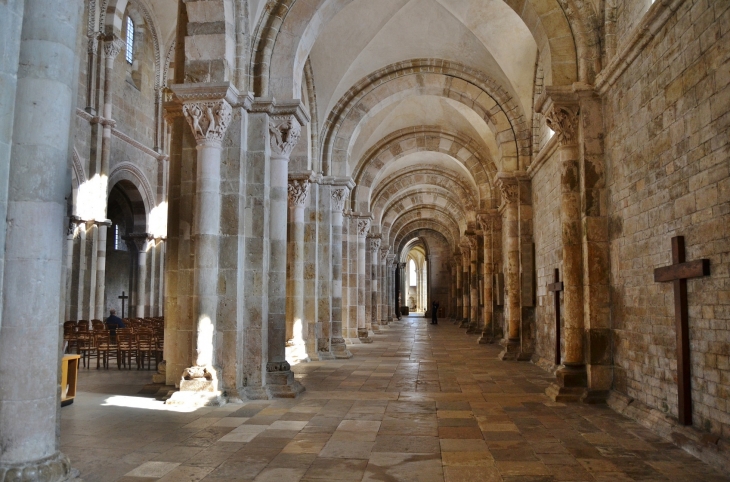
56, 468
254, 393
325, 356
280, 382
363, 336
375, 327
511, 350
161, 375
486, 339
339, 349
473, 328
198, 388
571, 384
464, 323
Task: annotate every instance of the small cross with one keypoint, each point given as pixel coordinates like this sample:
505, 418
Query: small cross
123, 297
556, 288
679, 272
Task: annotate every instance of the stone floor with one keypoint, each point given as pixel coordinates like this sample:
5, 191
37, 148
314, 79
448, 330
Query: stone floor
423, 403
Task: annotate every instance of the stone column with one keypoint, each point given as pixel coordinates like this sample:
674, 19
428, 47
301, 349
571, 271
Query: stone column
363, 225
284, 133
209, 114
102, 234
458, 299
339, 348
392, 267
383, 287
112, 47
465, 282
571, 381
510, 192
473, 285
374, 276
487, 222
297, 328
36, 216
402, 287
140, 243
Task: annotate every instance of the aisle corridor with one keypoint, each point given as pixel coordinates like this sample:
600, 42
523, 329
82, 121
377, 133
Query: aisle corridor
423, 403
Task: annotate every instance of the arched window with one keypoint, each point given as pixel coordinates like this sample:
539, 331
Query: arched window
412, 276
129, 53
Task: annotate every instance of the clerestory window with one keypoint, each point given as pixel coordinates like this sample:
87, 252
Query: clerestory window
412, 276
129, 54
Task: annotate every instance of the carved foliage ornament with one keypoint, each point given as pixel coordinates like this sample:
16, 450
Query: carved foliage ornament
564, 122
113, 47
298, 191
209, 120
509, 192
284, 133
383, 254
338, 199
363, 225
374, 244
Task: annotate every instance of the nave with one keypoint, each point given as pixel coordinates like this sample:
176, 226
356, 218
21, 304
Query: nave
423, 403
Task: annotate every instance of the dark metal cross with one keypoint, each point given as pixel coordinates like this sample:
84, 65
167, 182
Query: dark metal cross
123, 298
556, 288
679, 272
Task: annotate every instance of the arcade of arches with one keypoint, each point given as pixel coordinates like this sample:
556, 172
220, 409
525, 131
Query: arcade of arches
279, 179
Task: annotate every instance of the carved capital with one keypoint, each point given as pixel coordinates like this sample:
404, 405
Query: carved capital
138, 241
384, 253
209, 120
112, 47
402, 265
488, 222
298, 190
509, 190
374, 245
363, 226
338, 198
563, 120
284, 133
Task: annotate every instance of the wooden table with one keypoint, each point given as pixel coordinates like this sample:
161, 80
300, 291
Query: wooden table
69, 375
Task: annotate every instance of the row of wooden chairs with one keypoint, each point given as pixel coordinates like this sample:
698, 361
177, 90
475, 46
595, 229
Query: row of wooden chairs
120, 344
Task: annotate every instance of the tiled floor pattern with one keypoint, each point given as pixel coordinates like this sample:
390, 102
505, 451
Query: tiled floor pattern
423, 403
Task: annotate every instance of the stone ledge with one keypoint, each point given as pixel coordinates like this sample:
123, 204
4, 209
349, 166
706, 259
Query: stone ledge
707, 447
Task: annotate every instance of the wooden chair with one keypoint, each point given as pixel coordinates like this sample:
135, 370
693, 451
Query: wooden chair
145, 348
126, 348
86, 347
69, 334
105, 349
98, 325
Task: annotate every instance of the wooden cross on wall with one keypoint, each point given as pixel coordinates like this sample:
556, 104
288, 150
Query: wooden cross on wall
123, 298
556, 288
678, 273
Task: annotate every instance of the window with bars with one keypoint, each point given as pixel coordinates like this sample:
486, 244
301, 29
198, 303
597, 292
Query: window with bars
119, 243
129, 54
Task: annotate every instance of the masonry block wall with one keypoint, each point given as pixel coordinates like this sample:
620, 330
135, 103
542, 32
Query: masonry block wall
668, 131
548, 252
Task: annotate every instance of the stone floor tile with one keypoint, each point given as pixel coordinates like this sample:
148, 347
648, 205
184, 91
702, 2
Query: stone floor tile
347, 450
521, 468
471, 474
152, 469
186, 473
406, 444
404, 467
336, 469
280, 475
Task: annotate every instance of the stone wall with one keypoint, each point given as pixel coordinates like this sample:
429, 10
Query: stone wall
548, 252
667, 120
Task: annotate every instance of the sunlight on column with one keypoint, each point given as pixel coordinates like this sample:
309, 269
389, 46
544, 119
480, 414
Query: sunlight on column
158, 221
205, 342
297, 351
144, 403
551, 133
91, 199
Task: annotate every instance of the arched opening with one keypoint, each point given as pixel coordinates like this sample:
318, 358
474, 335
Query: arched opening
126, 239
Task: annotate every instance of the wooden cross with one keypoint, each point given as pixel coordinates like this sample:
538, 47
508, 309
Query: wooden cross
123, 297
678, 273
556, 288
